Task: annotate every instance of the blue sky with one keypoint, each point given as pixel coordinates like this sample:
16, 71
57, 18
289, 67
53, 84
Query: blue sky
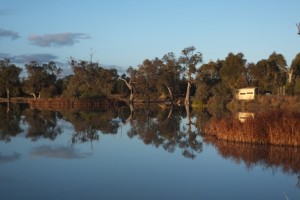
125, 32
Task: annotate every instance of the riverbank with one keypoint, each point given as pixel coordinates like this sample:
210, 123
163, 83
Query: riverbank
63, 103
267, 101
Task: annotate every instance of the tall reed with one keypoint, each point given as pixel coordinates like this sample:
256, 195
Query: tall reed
269, 127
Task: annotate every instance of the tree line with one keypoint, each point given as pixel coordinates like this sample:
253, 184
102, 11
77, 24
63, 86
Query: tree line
167, 78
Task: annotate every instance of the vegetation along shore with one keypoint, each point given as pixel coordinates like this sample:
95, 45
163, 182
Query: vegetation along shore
171, 79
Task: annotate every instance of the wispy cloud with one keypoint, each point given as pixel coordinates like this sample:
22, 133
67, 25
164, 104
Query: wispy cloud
26, 58
8, 34
9, 158
60, 152
57, 40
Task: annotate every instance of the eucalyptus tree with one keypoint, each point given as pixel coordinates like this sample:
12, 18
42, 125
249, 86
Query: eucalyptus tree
234, 72
146, 79
169, 74
295, 68
9, 78
279, 66
264, 75
129, 82
40, 77
208, 75
90, 79
189, 61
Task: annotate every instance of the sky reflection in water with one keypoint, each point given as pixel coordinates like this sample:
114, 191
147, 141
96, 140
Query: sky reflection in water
87, 155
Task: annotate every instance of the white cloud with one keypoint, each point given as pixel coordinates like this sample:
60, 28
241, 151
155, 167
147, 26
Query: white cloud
56, 40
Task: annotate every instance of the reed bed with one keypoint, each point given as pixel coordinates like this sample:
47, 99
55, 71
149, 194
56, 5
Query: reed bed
268, 127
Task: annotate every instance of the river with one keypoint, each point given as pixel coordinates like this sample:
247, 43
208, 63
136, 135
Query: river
141, 153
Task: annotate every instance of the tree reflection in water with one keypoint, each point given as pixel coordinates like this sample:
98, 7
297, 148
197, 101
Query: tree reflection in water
10, 117
275, 157
42, 124
161, 127
87, 124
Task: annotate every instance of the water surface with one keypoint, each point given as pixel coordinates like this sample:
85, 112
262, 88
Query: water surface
148, 153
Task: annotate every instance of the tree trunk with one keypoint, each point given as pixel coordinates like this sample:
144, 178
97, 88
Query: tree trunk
170, 93
187, 96
290, 74
131, 96
130, 87
34, 96
170, 112
188, 115
8, 94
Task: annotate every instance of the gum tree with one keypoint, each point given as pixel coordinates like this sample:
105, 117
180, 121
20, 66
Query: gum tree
40, 77
189, 61
9, 77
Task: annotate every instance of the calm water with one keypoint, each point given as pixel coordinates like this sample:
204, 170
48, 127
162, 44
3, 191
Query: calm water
151, 153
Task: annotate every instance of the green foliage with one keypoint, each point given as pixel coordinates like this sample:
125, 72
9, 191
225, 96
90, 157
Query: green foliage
189, 60
295, 66
297, 86
233, 72
168, 77
41, 77
90, 80
9, 78
221, 96
207, 77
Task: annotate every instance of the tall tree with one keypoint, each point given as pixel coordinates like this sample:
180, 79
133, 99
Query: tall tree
189, 61
9, 77
40, 77
129, 82
208, 76
146, 79
278, 64
295, 67
233, 73
295, 75
169, 74
90, 79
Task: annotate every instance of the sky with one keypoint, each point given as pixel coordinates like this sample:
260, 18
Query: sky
124, 33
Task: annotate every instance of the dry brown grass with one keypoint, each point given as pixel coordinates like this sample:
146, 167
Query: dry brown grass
269, 127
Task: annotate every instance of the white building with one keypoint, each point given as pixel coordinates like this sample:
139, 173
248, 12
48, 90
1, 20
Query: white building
246, 93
